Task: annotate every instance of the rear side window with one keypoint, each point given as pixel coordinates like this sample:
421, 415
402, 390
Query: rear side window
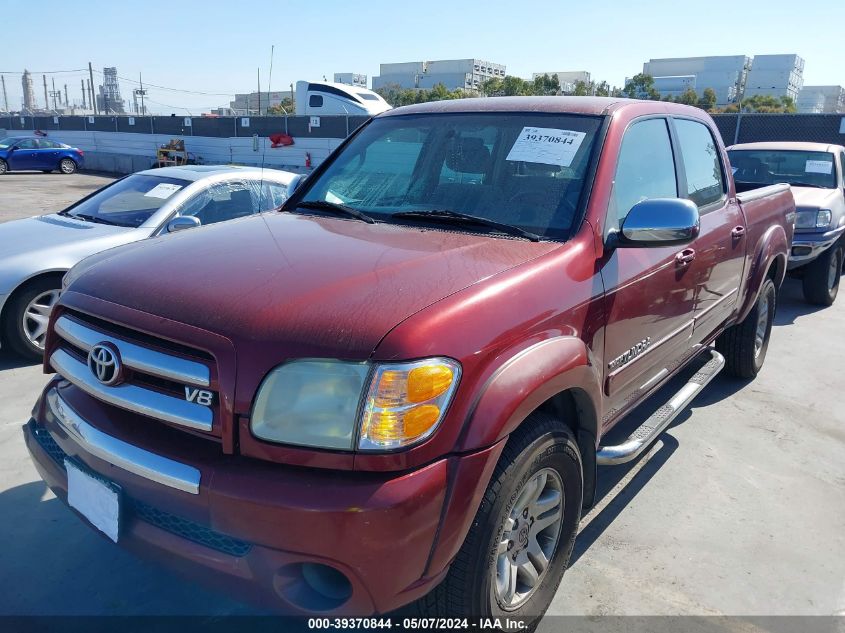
700, 154
646, 167
315, 101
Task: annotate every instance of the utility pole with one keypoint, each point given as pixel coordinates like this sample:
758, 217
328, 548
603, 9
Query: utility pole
142, 92
67, 103
5, 98
92, 102
54, 94
259, 93
46, 98
91, 87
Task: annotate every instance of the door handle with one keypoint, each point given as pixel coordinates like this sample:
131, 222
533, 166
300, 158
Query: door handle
685, 257
738, 232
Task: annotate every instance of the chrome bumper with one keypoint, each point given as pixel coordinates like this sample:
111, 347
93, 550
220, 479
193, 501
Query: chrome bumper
808, 246
130, 458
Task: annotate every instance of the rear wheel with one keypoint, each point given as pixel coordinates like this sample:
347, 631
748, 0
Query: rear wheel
67, 166
821, 277
4, 167
28, 315
518, 547
745, 344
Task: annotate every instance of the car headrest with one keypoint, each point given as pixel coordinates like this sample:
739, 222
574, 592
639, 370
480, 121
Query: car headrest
468, 155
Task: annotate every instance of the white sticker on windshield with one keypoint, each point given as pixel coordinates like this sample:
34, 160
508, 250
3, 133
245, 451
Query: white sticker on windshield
163, 190
819, 167
546, 145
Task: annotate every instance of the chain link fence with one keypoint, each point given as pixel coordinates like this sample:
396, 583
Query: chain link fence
752, 128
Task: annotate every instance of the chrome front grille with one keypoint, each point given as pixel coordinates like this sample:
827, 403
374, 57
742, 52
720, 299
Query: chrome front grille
149, 373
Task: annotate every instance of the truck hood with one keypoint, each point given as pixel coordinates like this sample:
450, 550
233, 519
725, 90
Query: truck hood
814, 198
281, 285
25, 237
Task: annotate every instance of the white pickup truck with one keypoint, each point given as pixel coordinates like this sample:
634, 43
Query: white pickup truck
816, 172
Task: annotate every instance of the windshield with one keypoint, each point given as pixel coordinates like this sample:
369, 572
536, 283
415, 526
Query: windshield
8, 142
128, 202
769, 167
525, 170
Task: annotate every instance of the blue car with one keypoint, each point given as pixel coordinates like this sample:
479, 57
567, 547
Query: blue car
30, 153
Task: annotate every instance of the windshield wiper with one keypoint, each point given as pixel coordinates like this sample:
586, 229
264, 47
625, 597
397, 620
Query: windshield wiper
337, 209
454, 217
95, 219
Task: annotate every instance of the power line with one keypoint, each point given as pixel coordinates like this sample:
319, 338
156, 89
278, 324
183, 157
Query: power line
193, 92
41, 72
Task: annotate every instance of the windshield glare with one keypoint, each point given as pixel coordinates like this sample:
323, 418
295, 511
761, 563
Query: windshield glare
769, 167
527, 170
130, 201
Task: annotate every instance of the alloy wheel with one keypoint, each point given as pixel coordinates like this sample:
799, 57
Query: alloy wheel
529, 539
37, 316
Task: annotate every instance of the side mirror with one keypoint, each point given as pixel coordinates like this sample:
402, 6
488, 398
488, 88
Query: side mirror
660, 222
293, 185
182, 222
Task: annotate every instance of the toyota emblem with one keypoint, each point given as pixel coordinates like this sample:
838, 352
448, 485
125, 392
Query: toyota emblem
104, 363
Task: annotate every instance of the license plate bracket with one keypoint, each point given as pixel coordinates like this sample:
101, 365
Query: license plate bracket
95, 498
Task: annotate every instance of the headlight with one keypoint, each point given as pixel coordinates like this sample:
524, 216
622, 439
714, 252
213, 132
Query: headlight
317, 403
406, 402
813, 219
823, 219
310, 403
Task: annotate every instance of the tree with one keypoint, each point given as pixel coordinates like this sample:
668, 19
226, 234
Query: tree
763, 103
602, 89
546, 85
688, 97
582, 88
641, 86
708, 100
286, 106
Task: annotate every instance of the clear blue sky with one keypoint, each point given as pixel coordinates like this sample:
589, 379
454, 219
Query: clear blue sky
216, 47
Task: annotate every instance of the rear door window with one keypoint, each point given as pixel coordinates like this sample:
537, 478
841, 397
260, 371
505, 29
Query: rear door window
700, 153
646, 168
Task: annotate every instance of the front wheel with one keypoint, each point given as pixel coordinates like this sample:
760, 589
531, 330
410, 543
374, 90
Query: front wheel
821, 277
4, 167
28, 317
67, 166
745, 344
519, 545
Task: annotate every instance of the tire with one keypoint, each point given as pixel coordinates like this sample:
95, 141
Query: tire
32, 300
542, 449
4, 167
67, 166
745, 344
821, 277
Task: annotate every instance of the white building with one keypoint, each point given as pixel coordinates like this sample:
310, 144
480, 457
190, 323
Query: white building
821, 99
725, 74
467, 74
776, 76
351, 79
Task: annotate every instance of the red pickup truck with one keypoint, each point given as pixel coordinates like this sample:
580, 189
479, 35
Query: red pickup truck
395, 390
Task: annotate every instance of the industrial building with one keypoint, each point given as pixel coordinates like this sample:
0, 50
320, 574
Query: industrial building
250, 103
351, 79
29, 104
466, 74
821, 100
725, 74
109, 100
776, 76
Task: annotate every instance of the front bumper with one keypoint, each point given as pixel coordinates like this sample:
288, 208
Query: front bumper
806, 247
259, 530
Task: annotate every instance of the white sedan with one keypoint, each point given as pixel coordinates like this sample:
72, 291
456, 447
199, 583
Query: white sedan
35, 253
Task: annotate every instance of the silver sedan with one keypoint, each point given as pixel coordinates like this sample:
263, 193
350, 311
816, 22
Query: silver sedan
36, 252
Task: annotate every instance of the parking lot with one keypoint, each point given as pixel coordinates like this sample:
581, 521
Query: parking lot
739, 509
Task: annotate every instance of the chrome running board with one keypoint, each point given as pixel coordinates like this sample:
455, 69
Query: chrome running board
657, 422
